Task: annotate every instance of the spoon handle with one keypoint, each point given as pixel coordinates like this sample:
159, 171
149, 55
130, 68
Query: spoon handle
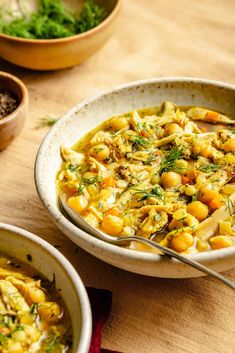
182, 258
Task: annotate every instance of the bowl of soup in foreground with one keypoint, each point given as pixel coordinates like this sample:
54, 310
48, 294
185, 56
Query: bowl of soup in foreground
41, 295
143, 124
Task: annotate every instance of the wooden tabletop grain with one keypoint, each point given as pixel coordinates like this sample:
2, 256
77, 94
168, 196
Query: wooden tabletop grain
154, 38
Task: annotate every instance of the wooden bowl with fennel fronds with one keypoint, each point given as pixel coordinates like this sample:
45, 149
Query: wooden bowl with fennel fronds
50, 49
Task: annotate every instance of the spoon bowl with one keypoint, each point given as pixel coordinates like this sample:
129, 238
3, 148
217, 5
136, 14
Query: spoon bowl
124, 240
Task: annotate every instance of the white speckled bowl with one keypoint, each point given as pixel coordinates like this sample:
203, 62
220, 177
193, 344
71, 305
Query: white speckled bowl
46, 259
85, 116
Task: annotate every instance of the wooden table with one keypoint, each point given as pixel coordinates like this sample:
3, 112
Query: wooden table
154, 38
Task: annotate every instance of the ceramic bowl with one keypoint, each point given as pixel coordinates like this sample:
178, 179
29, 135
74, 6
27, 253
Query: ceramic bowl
12, 124
46, 259
55, 54
85, 116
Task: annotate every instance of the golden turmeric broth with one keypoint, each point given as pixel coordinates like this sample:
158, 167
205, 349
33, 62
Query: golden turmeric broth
33, 317
165, 173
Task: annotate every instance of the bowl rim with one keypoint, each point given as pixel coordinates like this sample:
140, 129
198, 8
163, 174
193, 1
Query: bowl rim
86, 327
88, 33
24, 100
71, 230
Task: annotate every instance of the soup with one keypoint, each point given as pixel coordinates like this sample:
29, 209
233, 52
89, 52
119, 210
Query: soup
33, 317
165, 173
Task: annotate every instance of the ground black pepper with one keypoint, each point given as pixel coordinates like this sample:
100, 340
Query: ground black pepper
8, 103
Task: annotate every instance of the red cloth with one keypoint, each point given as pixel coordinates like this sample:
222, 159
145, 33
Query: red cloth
101, 303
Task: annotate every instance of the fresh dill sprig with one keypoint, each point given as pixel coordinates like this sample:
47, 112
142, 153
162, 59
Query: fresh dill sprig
156, 192
169, 160
46, 122
139, 141
209, 168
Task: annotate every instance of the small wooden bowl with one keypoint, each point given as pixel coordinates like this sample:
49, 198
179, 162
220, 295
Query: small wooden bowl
55, 54
12, 124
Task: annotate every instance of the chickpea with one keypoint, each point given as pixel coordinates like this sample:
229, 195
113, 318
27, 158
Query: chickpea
181, 166
170, 180
35, 295
206, 194
78, 203
100, 152
198, 210
229, 146
220, 242
112, 224
190, 190
173, 128
49, 311
180, 214
118, 123
182, 241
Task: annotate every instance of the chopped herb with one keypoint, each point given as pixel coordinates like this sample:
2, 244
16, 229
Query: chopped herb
34, 309
209, 168
92, 180
233, 131
72, 168
18, 328
169, 160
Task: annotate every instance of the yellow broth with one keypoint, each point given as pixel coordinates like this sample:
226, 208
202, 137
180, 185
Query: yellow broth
33, 317
161, 173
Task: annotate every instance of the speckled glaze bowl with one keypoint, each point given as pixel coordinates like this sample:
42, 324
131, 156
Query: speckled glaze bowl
12, 124
85, 116
16, 242
56, 54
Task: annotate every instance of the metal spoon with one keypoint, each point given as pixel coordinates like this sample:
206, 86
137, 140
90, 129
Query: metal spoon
124, 240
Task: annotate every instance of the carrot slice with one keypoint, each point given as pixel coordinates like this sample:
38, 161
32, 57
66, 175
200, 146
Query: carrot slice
109, 181
216, 202
213, 116
185, 180
112, 211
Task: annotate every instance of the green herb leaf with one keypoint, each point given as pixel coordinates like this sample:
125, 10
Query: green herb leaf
139, 141
209, 168
169, 160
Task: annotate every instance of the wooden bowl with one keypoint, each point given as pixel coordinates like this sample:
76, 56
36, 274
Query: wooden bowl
55, 54
12, 124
